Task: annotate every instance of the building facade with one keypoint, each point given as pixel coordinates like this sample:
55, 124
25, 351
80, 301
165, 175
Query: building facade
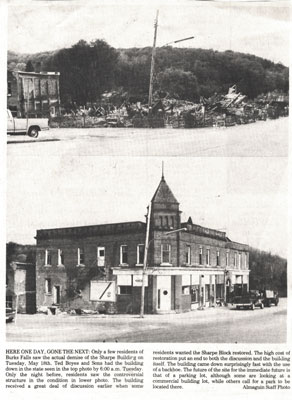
21, 287
33, 94
188, 266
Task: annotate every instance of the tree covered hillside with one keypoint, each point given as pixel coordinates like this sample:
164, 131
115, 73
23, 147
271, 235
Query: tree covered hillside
89, 69
267, 271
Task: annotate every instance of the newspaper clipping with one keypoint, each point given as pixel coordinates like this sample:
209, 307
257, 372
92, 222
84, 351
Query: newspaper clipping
145, 199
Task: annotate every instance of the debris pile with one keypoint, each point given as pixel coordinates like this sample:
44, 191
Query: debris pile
233, 108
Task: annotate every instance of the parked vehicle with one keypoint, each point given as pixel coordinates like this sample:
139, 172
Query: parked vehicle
10, 314
26, 126
270, 297
249, 300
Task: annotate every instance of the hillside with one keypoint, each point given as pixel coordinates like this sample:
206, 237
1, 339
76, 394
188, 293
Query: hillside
267, 271
89, 69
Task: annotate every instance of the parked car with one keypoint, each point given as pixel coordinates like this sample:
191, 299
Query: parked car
270, 297
250, 300
26, 126
10, 314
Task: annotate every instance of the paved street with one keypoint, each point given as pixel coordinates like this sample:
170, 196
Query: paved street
263, 138
212, 325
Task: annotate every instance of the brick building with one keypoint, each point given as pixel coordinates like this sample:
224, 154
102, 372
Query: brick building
33, 94
188, 266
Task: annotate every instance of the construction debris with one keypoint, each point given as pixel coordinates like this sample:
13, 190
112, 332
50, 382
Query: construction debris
226, 110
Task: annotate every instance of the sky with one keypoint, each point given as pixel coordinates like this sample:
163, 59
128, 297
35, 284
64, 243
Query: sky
260, 28
244, 196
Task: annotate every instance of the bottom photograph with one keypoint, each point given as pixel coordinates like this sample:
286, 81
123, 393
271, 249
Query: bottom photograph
147, 250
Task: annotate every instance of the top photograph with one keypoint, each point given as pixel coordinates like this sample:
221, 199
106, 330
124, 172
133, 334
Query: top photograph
182, 78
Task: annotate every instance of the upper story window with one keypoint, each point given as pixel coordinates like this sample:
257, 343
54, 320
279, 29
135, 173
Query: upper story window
235, 259
161, 221
188, 255
48, 286
80, 256
218, 258
140, 254
208, 256
165, 253
245, 260
239, 260
201, 256
172, 222
60, 257
48, 257
227, 258
124, 254
100, 256
166, 221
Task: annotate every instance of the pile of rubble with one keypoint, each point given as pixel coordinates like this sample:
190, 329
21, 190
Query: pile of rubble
226, 110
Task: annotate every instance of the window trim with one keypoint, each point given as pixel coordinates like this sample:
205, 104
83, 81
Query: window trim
217, 258
201, 255
138, 254
48, 252
208, 256
189, 254
79, 263
98, 256
121, 254
169, 253
227, 258
60, 254
48, 282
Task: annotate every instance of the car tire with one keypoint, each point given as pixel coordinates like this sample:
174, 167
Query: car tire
33, 131
262, 306
252, 307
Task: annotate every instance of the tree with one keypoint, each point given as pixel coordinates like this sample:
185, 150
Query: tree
179, 84
87, 70
29, 67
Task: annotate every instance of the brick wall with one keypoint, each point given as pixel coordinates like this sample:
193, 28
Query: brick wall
71, 277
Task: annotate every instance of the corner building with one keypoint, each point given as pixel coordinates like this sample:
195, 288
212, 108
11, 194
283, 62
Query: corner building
188, 266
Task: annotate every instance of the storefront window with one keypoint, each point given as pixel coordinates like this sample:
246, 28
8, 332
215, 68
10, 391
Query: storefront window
125, 289
207, 292
195, 293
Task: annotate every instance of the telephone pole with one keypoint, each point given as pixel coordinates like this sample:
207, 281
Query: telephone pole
144, 272
153, 61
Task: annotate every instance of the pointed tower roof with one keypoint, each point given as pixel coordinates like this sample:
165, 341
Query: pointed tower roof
163, 193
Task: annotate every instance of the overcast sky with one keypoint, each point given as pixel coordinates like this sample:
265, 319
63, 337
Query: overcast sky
246, 197
260, 28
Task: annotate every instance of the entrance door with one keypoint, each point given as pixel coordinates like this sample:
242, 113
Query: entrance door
163, 293
56, 294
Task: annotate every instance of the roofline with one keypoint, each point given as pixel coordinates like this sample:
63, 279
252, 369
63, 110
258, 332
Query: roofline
50, 73
163, 202
41, 232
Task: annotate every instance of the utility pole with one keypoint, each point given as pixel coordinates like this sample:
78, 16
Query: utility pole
145, 262
153, 61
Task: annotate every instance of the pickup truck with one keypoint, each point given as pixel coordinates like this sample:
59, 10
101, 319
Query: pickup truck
27, 126
248, 300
